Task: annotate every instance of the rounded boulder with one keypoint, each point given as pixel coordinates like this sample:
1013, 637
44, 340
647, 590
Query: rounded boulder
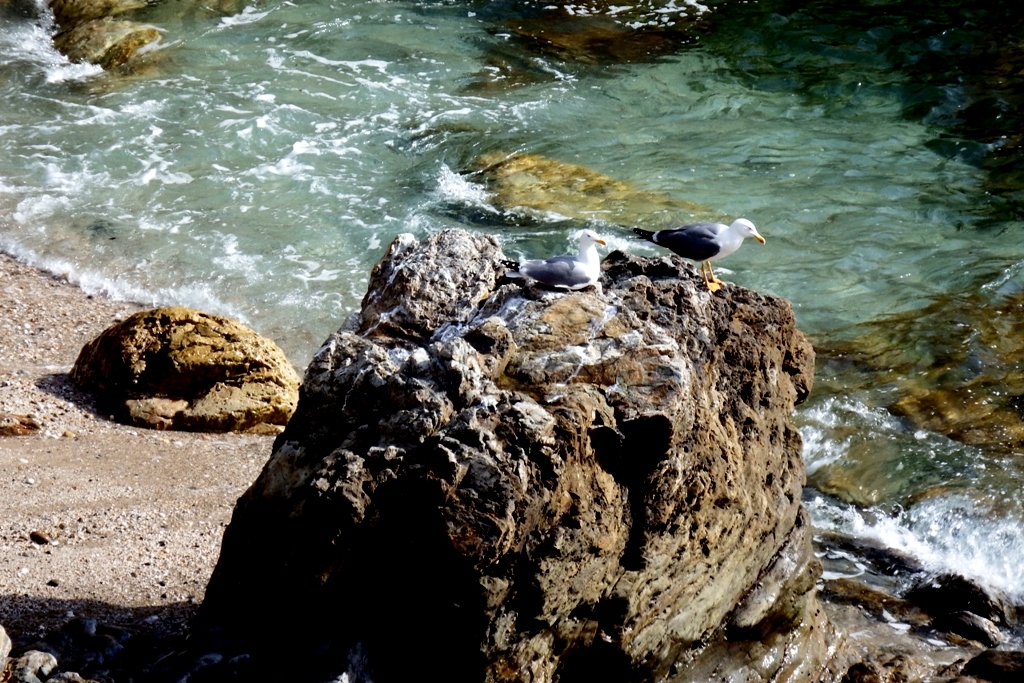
178, 368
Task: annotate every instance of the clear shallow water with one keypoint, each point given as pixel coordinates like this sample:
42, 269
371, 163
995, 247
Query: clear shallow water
262, 166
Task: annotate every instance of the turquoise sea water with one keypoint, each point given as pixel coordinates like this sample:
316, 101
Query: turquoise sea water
261, 165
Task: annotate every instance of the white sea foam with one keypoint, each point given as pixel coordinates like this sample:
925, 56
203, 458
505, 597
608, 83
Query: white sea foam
247, 16
947, 533
311, 270
198, 295
976, 531
32, 42
454, 187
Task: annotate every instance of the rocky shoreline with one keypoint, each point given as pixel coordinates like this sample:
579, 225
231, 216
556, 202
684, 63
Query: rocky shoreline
109, 534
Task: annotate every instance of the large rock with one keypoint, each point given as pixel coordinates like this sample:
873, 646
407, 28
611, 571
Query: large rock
508, 484
949, 593
5, 648
177, 368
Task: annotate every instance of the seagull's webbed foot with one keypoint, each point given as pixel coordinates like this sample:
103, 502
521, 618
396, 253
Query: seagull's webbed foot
713, 278
713, 283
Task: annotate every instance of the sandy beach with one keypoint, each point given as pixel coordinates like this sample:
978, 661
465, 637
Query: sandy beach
98, 519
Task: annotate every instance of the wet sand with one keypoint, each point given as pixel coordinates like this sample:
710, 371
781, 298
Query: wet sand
98, 519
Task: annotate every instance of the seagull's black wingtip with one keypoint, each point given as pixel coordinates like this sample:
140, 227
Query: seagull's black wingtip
646, 234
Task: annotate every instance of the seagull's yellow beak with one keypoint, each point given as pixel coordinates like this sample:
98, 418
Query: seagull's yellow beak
759, 239
603, 243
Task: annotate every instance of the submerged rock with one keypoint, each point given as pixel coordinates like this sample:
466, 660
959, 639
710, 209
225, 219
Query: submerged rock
511, 484
19, 8
953, 367
582, 33
544, 186
176, 368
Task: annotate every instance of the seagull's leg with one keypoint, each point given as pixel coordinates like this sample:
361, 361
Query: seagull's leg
713, 278
713, 285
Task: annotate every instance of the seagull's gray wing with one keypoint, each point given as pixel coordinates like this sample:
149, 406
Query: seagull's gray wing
696, 242
559, 271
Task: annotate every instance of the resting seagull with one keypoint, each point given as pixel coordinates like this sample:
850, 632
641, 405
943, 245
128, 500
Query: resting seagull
704, 243
565, 272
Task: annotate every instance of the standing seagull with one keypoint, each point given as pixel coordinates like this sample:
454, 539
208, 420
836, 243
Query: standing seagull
565, 272
704, 243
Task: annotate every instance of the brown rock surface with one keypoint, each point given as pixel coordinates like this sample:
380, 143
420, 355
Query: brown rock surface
70, 13
110, 43
997, 666
18, 425
177, 368
512, 484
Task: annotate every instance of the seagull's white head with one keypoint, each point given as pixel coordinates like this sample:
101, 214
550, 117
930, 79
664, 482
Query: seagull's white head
588, 237
747, 229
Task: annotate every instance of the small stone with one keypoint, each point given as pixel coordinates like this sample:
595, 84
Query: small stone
178, 368
39, 537
865, 672
18, 425
30, 665
5, 645
972, 627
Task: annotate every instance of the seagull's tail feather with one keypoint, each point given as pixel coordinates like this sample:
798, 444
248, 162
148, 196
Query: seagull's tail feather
646, 234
